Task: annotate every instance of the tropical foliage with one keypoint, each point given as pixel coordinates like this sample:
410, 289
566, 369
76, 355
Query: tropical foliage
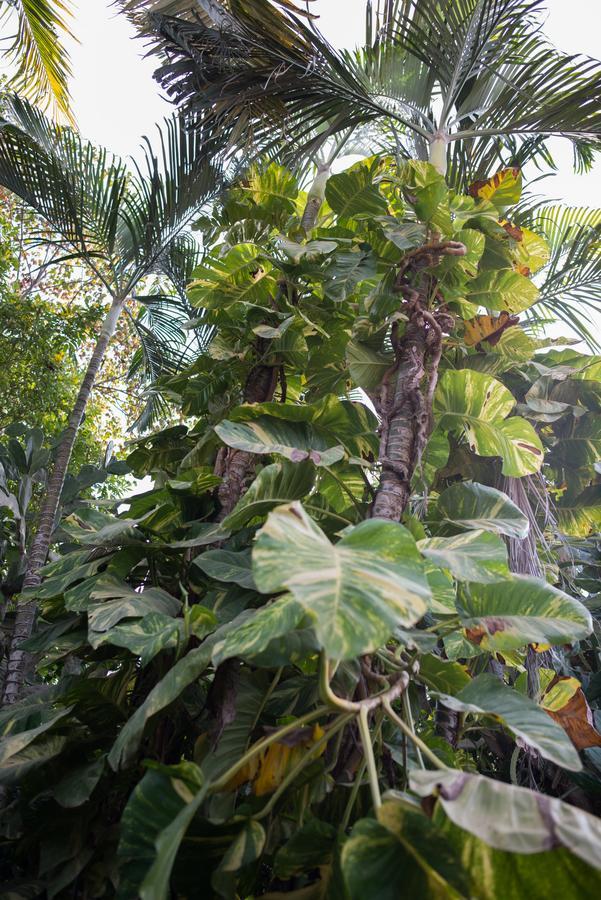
257, 678
343, 640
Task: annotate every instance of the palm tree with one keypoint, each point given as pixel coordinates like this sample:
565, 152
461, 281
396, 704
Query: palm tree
43, 66
123, 225
468, 84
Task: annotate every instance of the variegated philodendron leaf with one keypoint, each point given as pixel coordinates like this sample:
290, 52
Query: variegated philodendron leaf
356, 591
473, 556
517, 611
479, 405
474, 506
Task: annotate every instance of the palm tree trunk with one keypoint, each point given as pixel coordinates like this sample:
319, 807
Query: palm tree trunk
26, 612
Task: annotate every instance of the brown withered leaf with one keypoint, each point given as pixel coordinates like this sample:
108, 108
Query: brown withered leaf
575, 716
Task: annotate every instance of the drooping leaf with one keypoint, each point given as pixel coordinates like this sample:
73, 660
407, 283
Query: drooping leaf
296, 441
487, 695
356, 591
472, 556
520, 610
513, 876
570, 709
511, 818
474, 506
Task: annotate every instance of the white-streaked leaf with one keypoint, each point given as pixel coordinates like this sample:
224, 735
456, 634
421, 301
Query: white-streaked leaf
509, 817
356, 591
474, 506
519, 610
473, 556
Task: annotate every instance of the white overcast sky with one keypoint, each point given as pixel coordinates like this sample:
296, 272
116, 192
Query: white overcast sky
116, 100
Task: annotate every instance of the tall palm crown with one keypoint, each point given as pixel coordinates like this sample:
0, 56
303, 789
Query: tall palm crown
471, 80
123, 222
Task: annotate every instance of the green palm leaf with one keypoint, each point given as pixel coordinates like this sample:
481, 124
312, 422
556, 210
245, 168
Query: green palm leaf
43, 67
571, 282
122, 223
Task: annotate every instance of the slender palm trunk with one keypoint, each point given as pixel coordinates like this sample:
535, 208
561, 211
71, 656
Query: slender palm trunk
26, 612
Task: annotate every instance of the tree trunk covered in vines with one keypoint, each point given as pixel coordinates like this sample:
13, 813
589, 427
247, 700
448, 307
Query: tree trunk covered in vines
407, 389
19, 659
234, 466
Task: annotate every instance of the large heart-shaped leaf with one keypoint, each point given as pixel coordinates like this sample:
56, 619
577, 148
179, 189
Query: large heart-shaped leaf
275, 484
402, 855
509, 817
489, 696
518, 611
480, 404
473, 556
356, 590
503, 289
514, 876
353, 195
474, 506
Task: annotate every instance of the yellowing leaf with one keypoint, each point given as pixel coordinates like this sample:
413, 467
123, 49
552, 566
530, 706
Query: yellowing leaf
503, 189
531, 253
565, 702
488, 328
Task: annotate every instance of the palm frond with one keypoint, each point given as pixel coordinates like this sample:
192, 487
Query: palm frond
570, 286
167, 190
43, 66
268, 79
76, 187
121, 222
